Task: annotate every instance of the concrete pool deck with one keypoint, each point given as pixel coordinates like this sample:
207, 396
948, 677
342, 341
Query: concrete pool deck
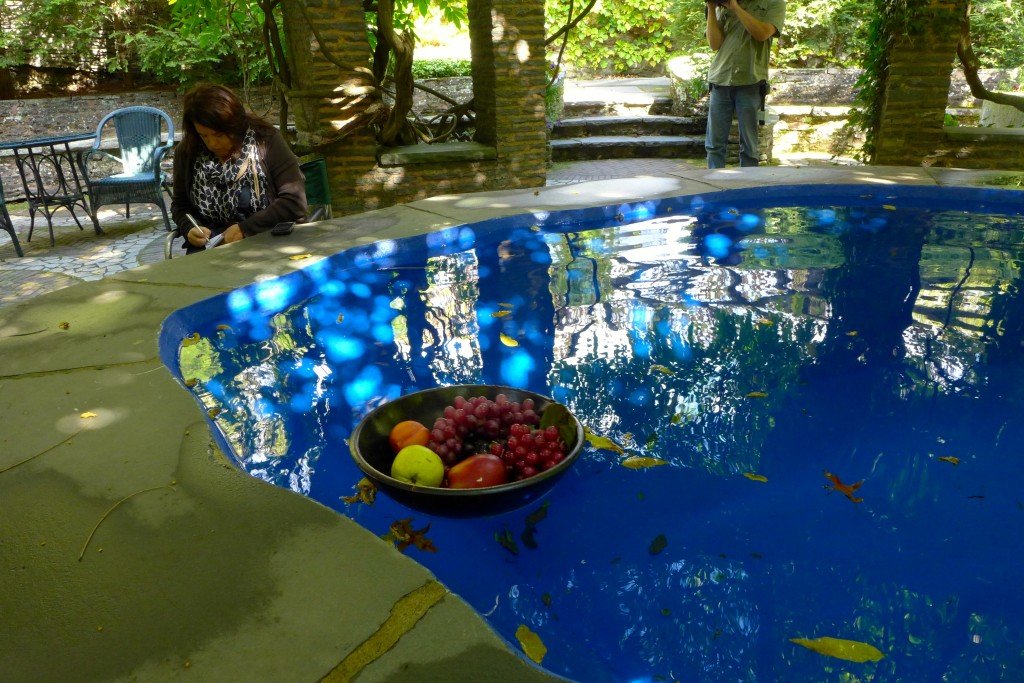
132, 549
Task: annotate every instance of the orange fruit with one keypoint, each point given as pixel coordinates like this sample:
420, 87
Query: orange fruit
408, 433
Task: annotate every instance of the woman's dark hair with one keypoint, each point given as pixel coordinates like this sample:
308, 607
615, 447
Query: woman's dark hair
216, 107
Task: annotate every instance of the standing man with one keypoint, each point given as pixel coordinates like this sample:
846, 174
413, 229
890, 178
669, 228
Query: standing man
740, 32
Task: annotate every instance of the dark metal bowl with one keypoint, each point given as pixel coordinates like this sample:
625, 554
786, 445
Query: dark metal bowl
372, 452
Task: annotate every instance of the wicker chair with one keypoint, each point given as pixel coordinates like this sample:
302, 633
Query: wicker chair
144, 136
6, 224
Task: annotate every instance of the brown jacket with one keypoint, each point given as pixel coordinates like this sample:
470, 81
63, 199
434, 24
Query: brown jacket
287, 190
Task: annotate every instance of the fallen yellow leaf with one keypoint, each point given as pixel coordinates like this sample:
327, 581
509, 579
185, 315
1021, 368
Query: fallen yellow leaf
757, 394
501, 314
755, 477
507, 340
299, 257
602, 442
850, 650
86, 415
662, 369
765, 321
951, 459
888, 207
640, 462
531, 643
190, 383
191, 339
852, 333
64, 326
505, 304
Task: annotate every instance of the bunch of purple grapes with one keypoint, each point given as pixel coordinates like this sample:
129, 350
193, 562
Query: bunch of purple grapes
474, 425
529, 451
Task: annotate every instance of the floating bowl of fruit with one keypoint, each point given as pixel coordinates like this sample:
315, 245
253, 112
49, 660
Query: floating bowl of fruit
475, 441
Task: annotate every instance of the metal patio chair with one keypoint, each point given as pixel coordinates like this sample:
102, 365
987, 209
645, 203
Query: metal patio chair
144, 136
6, 224
318, 191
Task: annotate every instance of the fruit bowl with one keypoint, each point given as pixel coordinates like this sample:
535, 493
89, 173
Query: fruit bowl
373, 453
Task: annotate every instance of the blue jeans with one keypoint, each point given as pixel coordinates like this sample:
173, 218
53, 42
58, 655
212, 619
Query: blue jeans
727, 100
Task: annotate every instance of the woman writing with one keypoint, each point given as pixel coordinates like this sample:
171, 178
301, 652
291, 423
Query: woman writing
233, 172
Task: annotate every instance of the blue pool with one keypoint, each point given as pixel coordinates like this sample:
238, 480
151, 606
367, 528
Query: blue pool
771, 347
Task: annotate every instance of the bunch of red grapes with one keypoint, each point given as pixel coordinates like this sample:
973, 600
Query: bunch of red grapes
507, 429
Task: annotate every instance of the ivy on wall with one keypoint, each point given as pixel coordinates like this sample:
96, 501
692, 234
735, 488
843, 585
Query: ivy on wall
895, 22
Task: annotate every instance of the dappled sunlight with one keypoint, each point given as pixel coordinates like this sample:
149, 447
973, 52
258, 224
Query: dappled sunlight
91, 418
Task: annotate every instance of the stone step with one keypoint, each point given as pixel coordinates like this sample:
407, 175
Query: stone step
596, 147
660, 105
586, 126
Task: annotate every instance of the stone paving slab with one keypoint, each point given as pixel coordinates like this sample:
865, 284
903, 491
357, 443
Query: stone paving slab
134, 550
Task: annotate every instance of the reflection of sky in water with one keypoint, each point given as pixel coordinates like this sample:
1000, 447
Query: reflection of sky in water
868, 341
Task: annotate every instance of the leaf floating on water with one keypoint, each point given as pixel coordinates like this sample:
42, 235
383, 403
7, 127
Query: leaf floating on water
403, 535
64, 326
757, 394
658, 544
846, 489
214, 412
677, 419
665, 612
505, 539
602, 442
767, 322
507, 340
538, 515
505, 304
191, 382
87, 414
951, 459
501, 314
850, 650
755, 477
299, 257
641, 462
366, 492
662, 369
852, 333
531, 643
341, 318
535, 228
226, 328
191, 339
888, 207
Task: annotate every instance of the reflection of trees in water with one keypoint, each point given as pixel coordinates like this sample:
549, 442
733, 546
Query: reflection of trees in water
721, 332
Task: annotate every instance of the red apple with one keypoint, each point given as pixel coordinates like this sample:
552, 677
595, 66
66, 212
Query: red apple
477, 471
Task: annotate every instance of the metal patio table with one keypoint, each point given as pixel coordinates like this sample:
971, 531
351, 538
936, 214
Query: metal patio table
50, 174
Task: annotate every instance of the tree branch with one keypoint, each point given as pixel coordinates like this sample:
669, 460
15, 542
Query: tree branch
570, 24
970, 64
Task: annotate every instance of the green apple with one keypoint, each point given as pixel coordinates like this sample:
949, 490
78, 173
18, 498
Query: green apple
418, 465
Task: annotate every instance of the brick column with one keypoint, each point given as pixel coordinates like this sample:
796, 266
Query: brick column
324, 94
509, 77
917, 87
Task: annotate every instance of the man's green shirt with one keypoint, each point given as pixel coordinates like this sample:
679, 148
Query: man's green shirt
742, 60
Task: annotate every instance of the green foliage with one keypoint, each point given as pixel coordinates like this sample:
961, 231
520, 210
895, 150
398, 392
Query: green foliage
206, 41
622, 37
821, 33
996, 27
441, 68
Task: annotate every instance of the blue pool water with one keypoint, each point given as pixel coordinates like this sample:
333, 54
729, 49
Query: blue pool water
754, 341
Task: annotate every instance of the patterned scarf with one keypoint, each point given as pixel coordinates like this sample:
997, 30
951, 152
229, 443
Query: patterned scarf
230, 191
